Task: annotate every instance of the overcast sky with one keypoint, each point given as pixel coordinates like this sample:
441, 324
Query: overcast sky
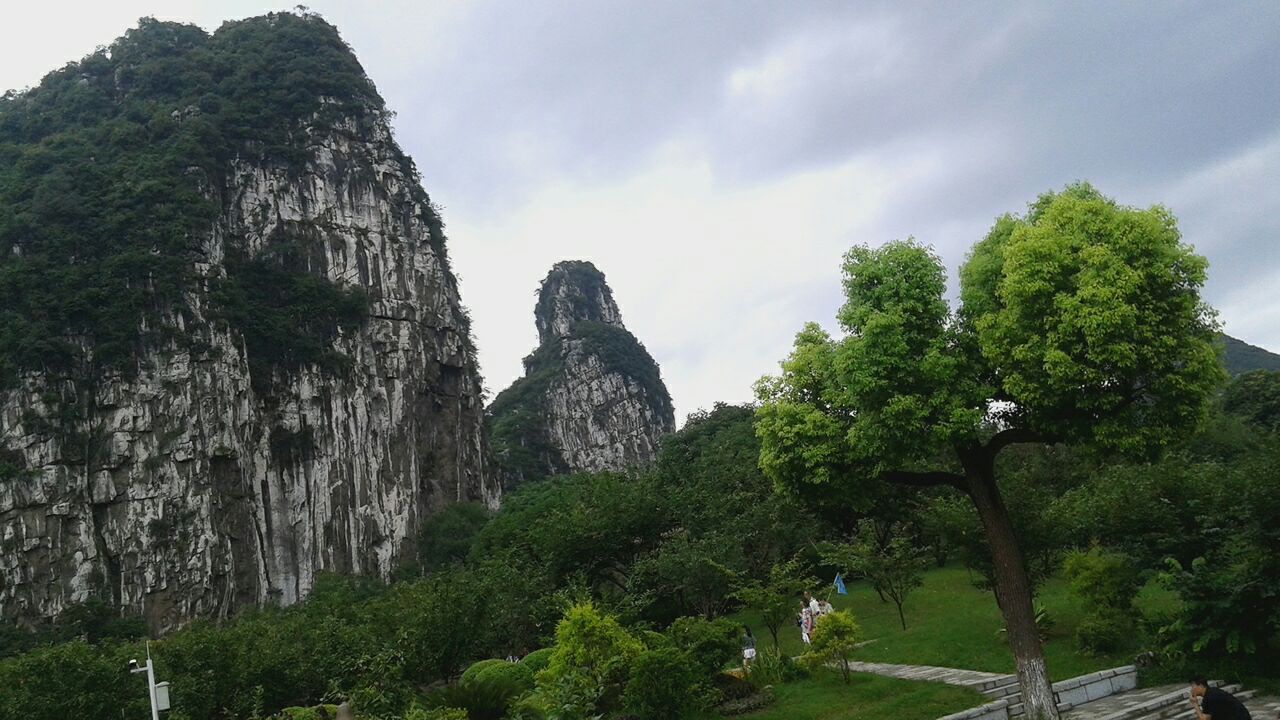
715, 159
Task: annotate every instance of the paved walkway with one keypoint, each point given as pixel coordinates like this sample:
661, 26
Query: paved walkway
950, 676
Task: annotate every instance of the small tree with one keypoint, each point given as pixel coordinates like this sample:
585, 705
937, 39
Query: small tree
775, 598
834, 640
894, 565
589, 666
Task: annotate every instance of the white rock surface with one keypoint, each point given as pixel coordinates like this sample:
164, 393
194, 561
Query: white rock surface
592, 417
187, 511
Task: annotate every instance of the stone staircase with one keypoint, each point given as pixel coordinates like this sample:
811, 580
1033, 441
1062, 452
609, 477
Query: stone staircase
1006, 700
1168, 702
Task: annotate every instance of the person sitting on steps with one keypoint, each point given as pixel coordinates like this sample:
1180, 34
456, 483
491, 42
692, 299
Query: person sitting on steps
1215, 703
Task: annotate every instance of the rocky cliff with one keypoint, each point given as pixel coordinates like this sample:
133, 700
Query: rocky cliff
264, 371
591, 398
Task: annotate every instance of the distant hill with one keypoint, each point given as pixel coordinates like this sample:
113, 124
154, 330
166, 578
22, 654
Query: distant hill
1241, 357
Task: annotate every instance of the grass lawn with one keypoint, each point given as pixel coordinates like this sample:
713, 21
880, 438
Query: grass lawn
952, 624
826, 697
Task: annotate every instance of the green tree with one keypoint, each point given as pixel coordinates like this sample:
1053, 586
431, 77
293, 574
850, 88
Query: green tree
1079, 322
775, 598
692, 574
894, 565
835, 638
447, 536
1255, 398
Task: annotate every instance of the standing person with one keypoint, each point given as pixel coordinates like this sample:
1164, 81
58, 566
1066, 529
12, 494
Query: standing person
825, 608
806, 624
812, 603
748, 648
1215, 703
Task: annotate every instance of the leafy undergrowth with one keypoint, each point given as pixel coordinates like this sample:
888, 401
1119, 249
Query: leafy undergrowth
950, 623
825, 696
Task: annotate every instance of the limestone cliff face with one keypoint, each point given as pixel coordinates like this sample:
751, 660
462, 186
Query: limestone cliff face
208, 488
592, 398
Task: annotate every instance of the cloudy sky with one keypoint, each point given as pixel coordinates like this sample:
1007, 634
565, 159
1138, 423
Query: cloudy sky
715, 159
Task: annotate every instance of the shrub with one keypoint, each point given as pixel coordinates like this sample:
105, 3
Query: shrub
317, 712
732, 687
436, 714
513, 674
470, 673
1108, 583
482, 698
1105, 579
589, 666
1104, 631
751, 703
537, 660
664, 683
711, 644
773, 667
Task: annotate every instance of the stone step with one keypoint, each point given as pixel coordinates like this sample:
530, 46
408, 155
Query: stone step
1150, 709
1003, 690
1078, 691
1068, 693
1183, 710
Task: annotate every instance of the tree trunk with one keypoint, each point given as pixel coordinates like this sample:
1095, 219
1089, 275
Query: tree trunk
901, 617
1013, 589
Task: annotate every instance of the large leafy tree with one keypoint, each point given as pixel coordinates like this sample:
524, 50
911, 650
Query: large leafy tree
1079, 322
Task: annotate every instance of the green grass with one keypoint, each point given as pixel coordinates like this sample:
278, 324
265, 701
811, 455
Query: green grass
825, 696
952, 624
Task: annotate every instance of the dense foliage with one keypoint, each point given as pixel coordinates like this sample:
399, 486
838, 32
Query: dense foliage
498, 586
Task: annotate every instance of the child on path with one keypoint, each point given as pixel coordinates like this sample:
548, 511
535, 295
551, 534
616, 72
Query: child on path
748, 648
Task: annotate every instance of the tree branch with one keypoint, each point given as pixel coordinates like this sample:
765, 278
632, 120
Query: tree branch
1013, 436
923, 479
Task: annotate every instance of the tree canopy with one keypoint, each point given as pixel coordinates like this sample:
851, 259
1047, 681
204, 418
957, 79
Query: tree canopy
1078, 322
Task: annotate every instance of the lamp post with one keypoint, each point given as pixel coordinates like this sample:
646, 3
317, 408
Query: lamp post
157, 692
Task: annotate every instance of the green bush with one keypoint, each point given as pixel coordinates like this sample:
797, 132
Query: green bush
1105, 579
315, 712
537, 660
664, 683
485, 698
773, 667
750, 703
731, 687
590, 665
1108, 582
418, 713
470, 673
710, 644
1105, 631
505, 673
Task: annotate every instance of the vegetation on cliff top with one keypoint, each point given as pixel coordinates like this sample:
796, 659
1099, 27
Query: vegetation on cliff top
110, 173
